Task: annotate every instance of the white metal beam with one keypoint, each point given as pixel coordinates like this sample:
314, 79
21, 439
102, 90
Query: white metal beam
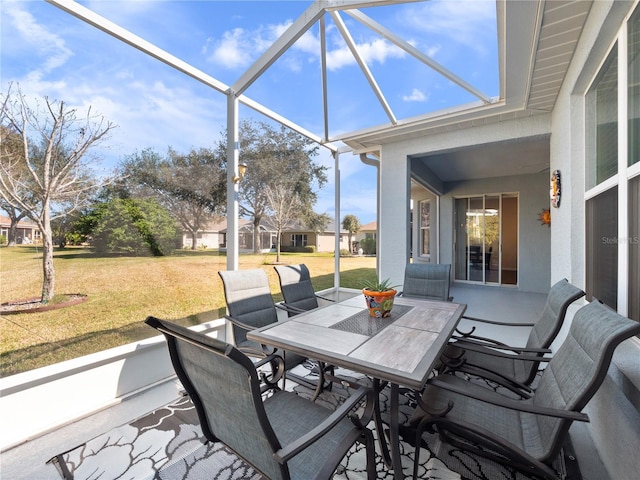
286, 122
363, 66
345, 4
411, 50
323, 74
148, 48
135, 41
275, 51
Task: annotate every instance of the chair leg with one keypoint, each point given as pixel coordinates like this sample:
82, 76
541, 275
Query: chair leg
371, 457
416, 456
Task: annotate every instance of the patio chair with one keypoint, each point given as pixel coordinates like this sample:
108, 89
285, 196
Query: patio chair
427, 280
512, 367
251, 306
297, 290
299, 296
281, 434
527, 434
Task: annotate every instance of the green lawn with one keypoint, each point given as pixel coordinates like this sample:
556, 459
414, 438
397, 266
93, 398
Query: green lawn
123, 291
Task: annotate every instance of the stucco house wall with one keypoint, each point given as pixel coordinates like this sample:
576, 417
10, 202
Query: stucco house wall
395, 178
615, 410
614, 428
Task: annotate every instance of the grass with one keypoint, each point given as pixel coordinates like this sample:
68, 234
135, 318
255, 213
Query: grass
123, 291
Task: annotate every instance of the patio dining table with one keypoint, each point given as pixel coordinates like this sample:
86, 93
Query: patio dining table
401, 349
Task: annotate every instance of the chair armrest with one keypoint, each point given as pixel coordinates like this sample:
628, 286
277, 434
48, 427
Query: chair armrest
495, 345
325, 298
496, 322
495, 352
238, 323
289, 308
295, 447
495, 399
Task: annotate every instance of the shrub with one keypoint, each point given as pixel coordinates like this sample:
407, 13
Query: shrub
368, 246
134, 227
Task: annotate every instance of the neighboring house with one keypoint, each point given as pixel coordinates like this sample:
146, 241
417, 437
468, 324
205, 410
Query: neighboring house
214, 235
324, 241
368, 230
27, 231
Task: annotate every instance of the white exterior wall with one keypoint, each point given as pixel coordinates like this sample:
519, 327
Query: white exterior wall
614, 412
395, 198
393, 221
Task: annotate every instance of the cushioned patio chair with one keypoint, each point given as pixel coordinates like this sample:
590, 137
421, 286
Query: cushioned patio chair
297, 290
251, 306
512, 367
281, 434
528, 433
427, 280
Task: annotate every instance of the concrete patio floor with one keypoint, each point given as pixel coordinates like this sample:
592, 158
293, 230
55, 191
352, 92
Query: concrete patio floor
27, 461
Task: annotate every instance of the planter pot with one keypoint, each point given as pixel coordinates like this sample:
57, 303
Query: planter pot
379, 303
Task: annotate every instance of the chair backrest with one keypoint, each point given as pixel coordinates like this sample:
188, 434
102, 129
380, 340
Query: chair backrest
224, 387
546, 329
427, 280
296, 287
578, 368
248, 299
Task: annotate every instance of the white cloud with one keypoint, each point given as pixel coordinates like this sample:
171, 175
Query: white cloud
240, 47
233, 51
377, 51
471, 23
50, 47
416, 95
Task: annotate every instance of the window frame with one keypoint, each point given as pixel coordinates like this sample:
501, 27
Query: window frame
625, 174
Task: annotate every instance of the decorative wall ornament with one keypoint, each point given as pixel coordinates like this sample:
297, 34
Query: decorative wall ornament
555, 189
545, 217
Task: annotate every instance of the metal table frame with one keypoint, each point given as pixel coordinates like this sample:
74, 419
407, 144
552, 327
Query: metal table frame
400, 350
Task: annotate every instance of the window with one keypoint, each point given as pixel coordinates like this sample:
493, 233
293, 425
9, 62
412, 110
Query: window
602, 109
613, 176
633, 56
602, 247
425, 228
634, 248
299, 240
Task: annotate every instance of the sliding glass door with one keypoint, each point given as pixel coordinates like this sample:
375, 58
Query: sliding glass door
486, 239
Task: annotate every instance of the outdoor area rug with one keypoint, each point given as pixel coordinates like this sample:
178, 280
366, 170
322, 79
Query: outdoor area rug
168, 444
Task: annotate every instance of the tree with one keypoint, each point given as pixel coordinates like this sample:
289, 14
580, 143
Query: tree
352, 225
192, 186
58, 176
318, 223
11, 148
131, 227
285, 207
276, 157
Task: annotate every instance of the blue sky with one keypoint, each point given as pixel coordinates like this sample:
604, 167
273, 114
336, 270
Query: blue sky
50, 53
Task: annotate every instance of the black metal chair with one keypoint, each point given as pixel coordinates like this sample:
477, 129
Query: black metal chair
251, 306
427, 280
281, 434
527, 434
512, 367
297, 290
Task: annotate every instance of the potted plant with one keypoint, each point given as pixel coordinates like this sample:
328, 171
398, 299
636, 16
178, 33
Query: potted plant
379, 296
